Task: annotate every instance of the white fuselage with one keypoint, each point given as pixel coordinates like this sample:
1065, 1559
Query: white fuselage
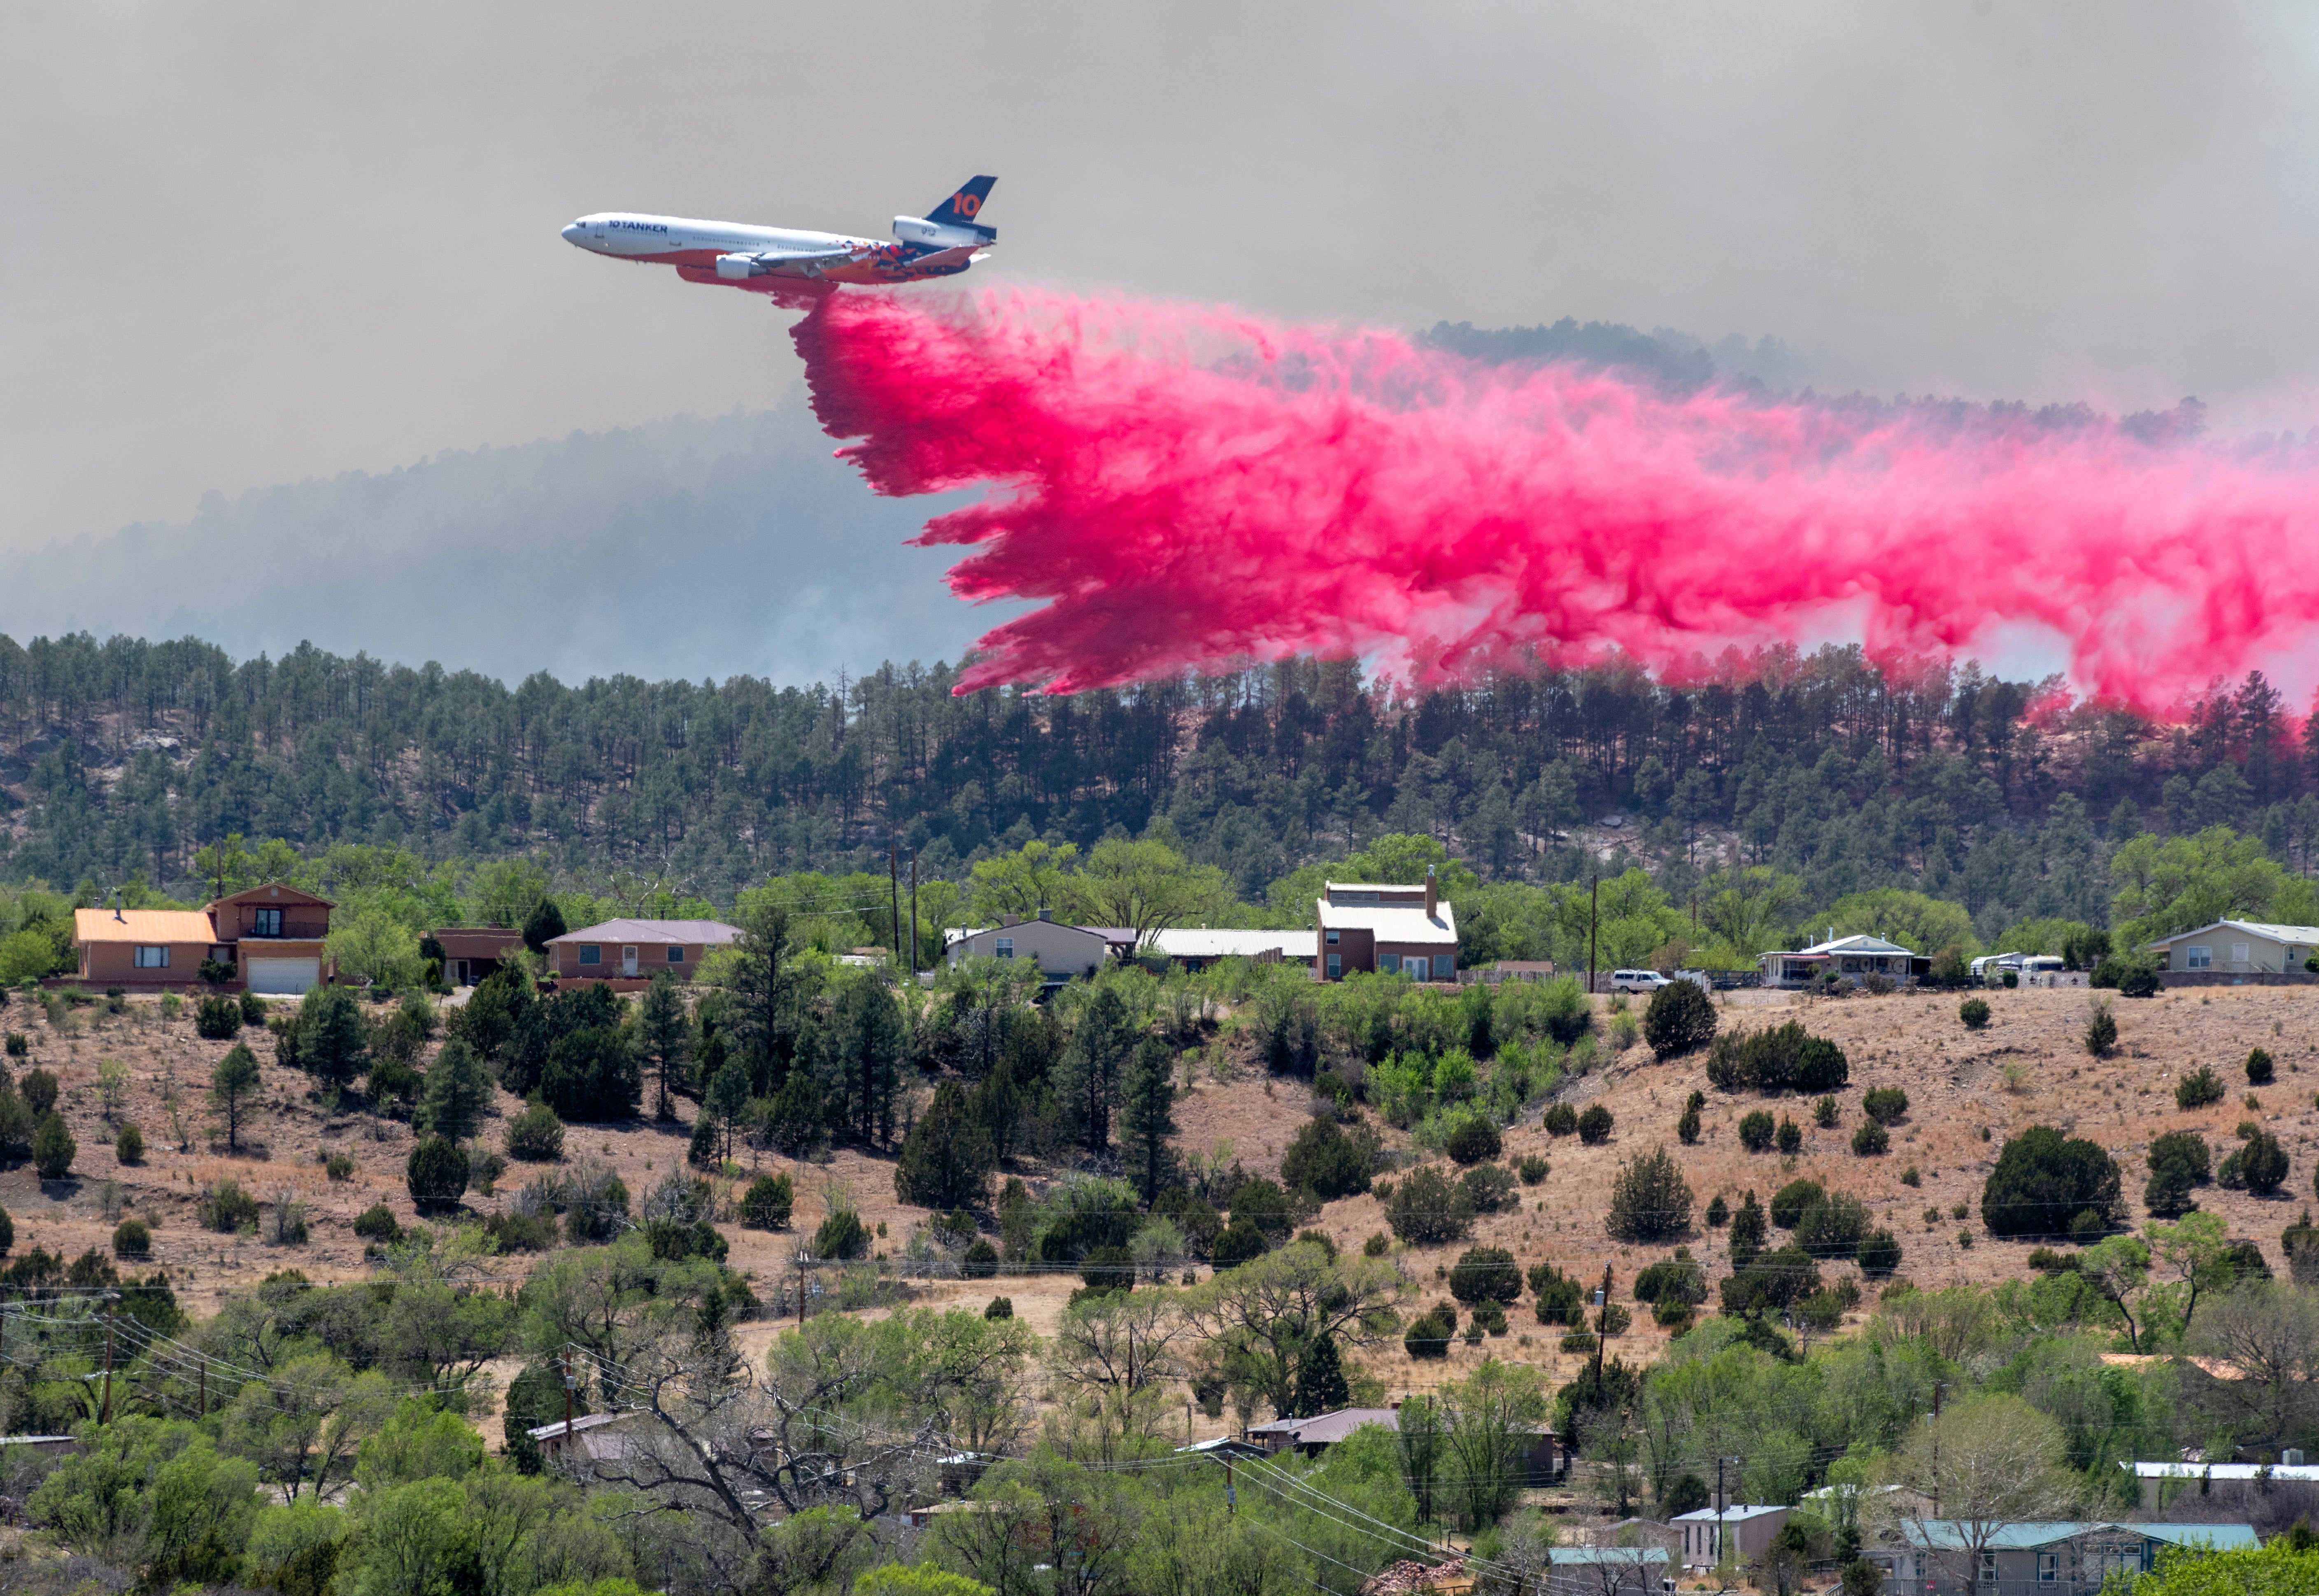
773, 259
632, 237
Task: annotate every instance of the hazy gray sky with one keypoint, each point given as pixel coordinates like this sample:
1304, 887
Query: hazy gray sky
253, 244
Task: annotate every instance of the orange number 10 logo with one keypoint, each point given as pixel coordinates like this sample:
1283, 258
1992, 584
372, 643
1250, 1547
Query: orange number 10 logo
967, 205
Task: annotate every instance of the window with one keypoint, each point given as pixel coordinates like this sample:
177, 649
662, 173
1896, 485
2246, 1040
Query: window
1388, 963
2048, 1568
1336, 965
265, 922
675, 954
2198, 958
592, 955
150, 958
1445, 966
1988, 1568
1004, 947
1332, 938
2238, 952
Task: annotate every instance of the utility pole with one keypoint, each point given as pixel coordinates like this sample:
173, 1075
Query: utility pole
205, 1388
801, 1264
1231, 1494
1721, 1503
913, 914
1594, 912
571, 1381
1602, 1326
894, 883
105, 1417
1938, 1386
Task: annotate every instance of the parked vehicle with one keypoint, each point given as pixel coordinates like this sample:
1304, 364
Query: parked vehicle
1638, 980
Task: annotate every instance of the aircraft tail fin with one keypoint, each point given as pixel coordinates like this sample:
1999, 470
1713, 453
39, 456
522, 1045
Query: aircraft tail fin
961, 208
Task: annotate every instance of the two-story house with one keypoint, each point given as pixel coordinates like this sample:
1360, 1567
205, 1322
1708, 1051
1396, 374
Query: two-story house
273, 935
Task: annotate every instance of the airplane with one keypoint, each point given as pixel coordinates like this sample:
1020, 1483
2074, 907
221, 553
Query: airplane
793, 266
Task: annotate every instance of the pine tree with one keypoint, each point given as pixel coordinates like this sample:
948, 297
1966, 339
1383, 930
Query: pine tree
947, 1157
869, 1024
458, 1089
663, 1031
331, 1042
1091, 1066
232, 1084
1321, 1385
724, 1105
1146, 1116
1749, 1230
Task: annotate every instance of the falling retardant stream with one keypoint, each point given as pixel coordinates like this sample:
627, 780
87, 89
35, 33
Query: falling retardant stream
1192, 487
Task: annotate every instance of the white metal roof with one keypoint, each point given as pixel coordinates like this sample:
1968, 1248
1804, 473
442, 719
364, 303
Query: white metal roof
1186, 941
2297, 935
1735, 1513
2223, 1471
1395, 923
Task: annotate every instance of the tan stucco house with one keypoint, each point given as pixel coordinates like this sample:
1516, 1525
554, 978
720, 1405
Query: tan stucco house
2239, 947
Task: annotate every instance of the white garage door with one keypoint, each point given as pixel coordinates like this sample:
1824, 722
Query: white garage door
289, 976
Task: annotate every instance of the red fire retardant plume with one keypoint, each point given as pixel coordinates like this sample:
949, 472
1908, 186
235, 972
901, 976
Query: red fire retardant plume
1192, 487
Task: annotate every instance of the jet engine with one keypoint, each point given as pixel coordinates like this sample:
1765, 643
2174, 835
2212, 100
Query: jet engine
733, 267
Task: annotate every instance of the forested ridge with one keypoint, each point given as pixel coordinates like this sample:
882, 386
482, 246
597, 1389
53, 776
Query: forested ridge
119, 760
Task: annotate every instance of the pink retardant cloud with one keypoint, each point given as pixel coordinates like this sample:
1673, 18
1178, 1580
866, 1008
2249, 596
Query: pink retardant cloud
1187, 487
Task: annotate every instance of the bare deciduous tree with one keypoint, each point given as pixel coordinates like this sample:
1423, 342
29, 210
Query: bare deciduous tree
1984, 1465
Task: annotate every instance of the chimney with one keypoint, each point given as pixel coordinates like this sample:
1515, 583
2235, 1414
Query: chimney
1006, 920
1433, 893
1047, 916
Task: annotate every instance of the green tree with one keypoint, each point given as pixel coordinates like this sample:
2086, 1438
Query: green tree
2184, 882
724, 1106
1918, 923
1680, 1019
1147, 1115
1034, 876
459, 1088
664, 1029
947, 1159
436, 1174
1102, 1039
1145, 887
331, 1043
762, 986
233, 1089
53, 1148
544, 924
868, 1031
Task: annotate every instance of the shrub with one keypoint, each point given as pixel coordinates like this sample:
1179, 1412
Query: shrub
377, 1223
1821, 1065
1687, 1125
2011, 978
1238, 1242
1788, 1202
2260, 1166
1749, 1230
2086, 1228
1594, 1126
253, 1009
1871, 1140
769, 1202
1824, 1114
1885, 1105
520, 1232
1491, 1188
536, 1135
1680, 1019
1485, 1274
484, 1168
132, 1238
1909, 1178
1650, 1201
2179, 1163
53, 1148
1331, 1164
2199, 1088
1776, 1061
1427, 1208
339, 1167
2259, 1070
2043, 1179
39, 1091
19, 1044
2101, 1030
1000, 1308
1561, 1120
1378, 1245
1532, 1169
1428, 1335
1719, 1213
7, 1232
1679, 1279
842, 1235
287, 1226
226, 1209
1474, 1140
1755, 1131
1772, 1281
979, 1262
1560, 1298
217, 1019
1833, 1227
1489, 1317
1975, 1013
2137, 980
129, 1145
1791, 1137
436, 1173
1879, 1254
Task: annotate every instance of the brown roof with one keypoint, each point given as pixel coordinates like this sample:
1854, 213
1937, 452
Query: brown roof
272, 892
715, 933
142, 925
1328, 1428
477, 942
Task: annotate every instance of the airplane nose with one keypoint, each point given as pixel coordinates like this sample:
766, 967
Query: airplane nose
572, 233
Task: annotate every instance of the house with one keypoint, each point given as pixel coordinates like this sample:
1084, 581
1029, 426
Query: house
1388, 928
473, 952
1606, 1570
144, 947
2163, 1483
2069, 1557
1849, 956
636, 950
1543, 1459
2239, 947
1746, 1531
579, 1441
1061, 951
275, 935
1225, 1447
1197, 947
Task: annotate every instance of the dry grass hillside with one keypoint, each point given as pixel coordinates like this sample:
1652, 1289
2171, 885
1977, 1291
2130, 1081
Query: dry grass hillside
1968, 1091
